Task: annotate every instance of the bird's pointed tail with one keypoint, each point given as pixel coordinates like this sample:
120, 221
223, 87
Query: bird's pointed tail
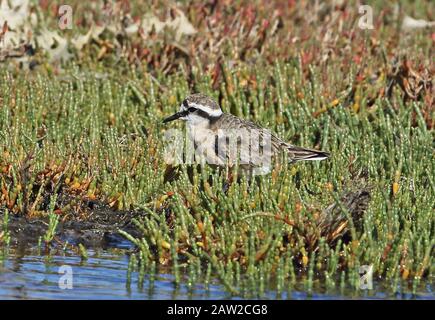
299, 154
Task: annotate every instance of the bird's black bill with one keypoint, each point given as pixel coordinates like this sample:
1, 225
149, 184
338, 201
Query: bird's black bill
175, 116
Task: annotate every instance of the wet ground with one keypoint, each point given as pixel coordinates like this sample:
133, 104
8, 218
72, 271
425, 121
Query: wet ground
105, 276
28, 273
97, 225
98, 230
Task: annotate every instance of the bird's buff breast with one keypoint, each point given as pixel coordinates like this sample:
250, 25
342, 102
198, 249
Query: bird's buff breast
203, 141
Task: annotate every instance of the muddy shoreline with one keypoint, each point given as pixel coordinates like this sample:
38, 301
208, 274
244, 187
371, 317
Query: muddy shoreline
98, 225
99, 230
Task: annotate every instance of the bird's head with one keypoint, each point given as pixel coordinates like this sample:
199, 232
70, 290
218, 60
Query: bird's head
197, 108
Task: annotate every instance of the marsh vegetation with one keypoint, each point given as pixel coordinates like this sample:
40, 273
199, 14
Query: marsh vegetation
81, 142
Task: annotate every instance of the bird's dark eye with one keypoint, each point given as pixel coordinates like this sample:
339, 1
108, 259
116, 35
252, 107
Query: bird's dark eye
191, 109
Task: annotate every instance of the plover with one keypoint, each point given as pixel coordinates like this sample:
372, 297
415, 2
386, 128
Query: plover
221, 138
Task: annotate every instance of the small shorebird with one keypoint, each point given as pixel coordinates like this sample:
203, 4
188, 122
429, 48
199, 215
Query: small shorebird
212, 131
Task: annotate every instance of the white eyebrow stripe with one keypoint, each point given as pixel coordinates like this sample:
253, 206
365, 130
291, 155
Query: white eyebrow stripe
209, 111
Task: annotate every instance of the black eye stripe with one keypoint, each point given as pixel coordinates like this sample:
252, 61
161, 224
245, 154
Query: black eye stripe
192, 109
204, 114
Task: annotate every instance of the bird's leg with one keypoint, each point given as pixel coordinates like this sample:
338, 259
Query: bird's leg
228, 179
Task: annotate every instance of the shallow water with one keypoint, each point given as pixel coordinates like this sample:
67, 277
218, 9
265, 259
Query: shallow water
104, 276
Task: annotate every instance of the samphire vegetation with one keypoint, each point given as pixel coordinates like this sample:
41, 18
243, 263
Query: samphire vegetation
89, 129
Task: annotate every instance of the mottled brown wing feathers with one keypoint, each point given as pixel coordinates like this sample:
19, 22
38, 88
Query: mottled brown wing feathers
294, 153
